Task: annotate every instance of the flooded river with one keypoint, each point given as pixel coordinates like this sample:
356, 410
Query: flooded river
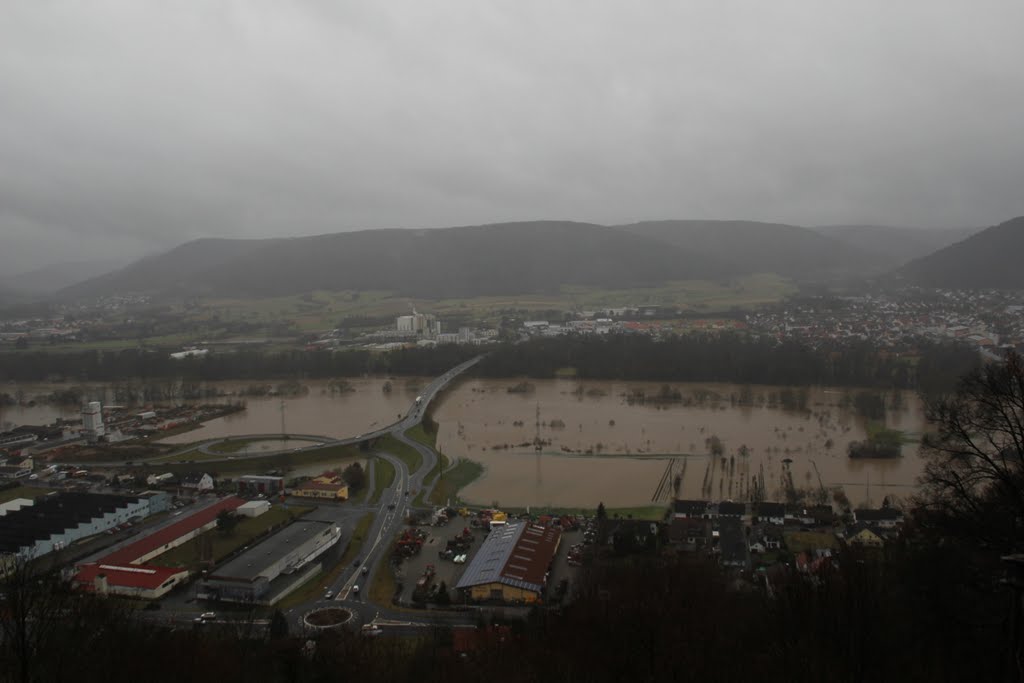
600, 444
362, 406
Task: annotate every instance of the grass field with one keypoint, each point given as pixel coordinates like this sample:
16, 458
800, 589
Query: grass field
232, 446
653, 513
383, 587
267, 462
312, 589
223, 545
322, 310
420, 434
407, 454
452, 481
384, 476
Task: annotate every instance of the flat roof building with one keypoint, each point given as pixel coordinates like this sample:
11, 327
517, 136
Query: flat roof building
512, 564
265, 573
253, 484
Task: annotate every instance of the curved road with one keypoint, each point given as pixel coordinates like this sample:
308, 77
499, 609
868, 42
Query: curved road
388, 519
411, 419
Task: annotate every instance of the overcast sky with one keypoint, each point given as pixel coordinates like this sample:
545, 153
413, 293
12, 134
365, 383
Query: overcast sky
133, 126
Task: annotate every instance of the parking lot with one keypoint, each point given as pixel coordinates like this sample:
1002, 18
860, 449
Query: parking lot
449, 572
446, 570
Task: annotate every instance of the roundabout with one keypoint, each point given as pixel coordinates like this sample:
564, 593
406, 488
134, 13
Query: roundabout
328, 618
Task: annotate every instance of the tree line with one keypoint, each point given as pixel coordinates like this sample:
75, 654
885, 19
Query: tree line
931, 368
733, 358
249, 364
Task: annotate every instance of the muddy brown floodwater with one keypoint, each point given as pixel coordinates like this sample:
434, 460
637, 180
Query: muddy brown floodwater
599, 446
319, 413
362, 408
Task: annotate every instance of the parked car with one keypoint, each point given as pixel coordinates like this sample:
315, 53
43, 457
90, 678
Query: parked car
208, 615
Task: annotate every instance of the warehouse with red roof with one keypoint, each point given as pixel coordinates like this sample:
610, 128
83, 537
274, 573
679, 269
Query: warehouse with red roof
513, 564
125, 570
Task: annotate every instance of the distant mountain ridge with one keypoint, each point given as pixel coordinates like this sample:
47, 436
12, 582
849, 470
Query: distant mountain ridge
506, 258
750, 247
503, 259
990, 259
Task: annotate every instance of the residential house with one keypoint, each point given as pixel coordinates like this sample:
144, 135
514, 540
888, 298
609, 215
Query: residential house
865, 537
730, 509
629, 536
772, 513
690, 533
822, 515
197, 481
685, 509
886, 518
765, 538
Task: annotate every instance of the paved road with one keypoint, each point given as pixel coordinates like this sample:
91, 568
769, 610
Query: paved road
389, 517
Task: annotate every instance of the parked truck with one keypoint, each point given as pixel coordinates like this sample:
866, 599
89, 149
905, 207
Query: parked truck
423, 584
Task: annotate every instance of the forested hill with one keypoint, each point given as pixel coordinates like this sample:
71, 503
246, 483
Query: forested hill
991, 259
508, 258
890, 247
752, 247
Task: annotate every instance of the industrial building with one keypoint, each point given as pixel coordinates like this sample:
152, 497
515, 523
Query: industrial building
134, 581
16, 504
173, 535
253, 484
512, 564
422, 324
92, 421
254, 508
269, 571
126, 570
55, 521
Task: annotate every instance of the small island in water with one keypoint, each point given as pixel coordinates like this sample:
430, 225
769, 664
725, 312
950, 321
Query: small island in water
881, 443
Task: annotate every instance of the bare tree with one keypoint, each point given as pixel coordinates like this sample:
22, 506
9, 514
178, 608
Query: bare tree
973, 482
40, 613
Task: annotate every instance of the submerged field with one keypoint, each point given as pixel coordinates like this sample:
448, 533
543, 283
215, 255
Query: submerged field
601, 442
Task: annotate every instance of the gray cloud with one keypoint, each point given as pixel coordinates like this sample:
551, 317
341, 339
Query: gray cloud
131, 126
